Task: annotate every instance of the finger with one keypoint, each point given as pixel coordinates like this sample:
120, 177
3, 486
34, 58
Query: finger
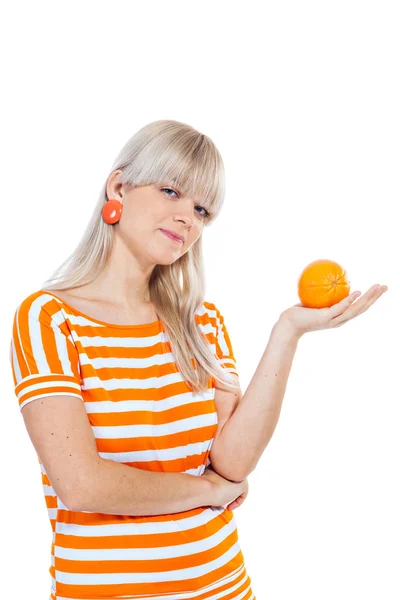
240, 499
361, 306
363, 303
338, 308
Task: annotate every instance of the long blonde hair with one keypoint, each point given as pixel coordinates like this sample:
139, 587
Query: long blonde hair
159, 152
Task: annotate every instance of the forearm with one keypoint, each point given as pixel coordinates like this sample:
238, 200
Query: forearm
248, 431
118, 489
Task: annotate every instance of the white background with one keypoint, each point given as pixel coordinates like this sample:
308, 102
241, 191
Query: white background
302, 100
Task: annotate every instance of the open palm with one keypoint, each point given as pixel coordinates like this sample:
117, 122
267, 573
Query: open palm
303, 320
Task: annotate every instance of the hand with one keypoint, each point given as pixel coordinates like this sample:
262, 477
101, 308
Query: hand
239, 500
302, 320
227, 492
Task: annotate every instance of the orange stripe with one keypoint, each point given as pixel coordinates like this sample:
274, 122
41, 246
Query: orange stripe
57, 381
150, 540
172, 389
155, 588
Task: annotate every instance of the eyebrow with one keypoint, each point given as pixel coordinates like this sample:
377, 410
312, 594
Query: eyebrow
173, 182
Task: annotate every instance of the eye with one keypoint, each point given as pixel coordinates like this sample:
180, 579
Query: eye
169, 189
204, 214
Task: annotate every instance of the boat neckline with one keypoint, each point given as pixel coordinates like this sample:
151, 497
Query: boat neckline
113, 325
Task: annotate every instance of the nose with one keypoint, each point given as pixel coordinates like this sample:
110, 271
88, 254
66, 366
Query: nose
187, 221
185, 214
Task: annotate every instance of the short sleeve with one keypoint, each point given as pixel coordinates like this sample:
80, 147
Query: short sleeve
223, 345
44, 359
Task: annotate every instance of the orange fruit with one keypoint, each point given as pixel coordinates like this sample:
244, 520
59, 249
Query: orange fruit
322, 283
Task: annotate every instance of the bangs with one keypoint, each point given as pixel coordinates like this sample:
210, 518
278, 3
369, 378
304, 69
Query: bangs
195, 173
186, 160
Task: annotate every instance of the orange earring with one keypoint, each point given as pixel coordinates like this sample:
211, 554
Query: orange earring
111, 212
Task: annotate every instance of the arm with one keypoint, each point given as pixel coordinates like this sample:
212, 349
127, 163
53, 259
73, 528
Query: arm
248, 430
62, 436
118, 489
45, 366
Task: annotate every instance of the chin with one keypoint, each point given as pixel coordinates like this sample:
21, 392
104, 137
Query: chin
167, 258
164, 261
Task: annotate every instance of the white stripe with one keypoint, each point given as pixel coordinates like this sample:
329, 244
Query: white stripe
210, 311
72, 317
132, 341
122, 342
150, 554
143, 528
37, 343
48, 394
221, 339
52, 513
90, 383
225, 362
206, 327
152, 430
229, 591
156, 406
20, 342
46, 384
15, 363
109, 406
219, 334
86, 321
192, 595
157, 455
79, 320
111, 362
156, 576
198, 472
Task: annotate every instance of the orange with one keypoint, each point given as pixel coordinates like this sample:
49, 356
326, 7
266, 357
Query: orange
323, 283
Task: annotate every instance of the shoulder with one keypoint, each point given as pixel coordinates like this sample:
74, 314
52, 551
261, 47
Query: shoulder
209, 306
208, 319
207, 312
213, 314
37, 305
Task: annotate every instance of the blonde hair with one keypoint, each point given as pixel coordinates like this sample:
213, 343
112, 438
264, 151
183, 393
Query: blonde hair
163, 151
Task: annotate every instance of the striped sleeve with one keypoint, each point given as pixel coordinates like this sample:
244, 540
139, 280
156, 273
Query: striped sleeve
223, 344
44, 359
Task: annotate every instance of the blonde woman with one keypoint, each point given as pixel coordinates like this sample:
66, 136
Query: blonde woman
127, 383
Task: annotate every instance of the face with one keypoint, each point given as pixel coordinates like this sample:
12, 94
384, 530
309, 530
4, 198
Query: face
148, 209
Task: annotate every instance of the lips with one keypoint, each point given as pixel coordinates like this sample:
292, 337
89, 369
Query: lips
177, 236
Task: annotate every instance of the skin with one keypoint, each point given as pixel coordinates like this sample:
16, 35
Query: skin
300, 320
303, 320
139, 245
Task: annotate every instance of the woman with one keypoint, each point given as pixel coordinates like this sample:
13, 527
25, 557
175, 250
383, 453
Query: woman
140, 407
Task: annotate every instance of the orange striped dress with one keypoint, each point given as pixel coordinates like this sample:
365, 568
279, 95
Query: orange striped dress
144, 415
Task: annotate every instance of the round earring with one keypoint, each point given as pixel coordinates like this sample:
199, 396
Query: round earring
111, 212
